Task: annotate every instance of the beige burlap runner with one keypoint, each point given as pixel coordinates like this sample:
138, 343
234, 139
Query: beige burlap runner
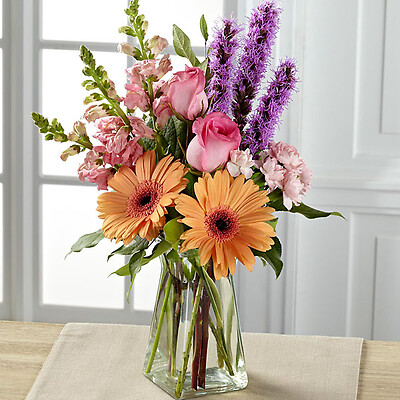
104, 362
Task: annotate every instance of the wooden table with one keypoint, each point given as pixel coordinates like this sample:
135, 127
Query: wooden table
25, 346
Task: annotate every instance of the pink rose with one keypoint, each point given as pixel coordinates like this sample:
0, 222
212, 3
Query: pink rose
186, 93
216, 136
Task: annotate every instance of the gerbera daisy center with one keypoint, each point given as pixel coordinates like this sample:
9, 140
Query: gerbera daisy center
144, 199
222, 223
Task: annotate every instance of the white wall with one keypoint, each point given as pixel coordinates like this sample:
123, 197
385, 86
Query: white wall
343, 277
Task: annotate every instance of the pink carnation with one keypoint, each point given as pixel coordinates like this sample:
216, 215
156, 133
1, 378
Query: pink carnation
283, 168
274, 173
94, 172
292, 190
287, 155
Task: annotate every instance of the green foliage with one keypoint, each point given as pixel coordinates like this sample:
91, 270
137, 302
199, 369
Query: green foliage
54, 130
204, 64
137, 29
126, 250
272, 257
173, 231
159, 249
87, 241
134, 266
101, 82
173, 256
183, 46
276, 202
174, 137
204, 28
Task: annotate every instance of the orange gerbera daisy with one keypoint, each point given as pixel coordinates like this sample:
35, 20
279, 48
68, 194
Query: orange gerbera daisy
228, 218
138, 204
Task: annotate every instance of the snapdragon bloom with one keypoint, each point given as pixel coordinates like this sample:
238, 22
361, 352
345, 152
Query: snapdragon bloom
93, 171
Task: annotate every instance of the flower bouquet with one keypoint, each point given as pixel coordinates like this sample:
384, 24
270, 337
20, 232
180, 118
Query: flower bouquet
191, 175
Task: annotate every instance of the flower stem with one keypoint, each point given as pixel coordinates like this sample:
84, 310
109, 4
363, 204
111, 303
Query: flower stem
182, 372
159, 326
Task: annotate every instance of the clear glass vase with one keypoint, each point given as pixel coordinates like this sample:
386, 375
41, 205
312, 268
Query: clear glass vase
195, 346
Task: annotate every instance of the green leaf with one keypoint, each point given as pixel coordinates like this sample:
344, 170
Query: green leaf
135, 265
173, 231
173, 256
303, 209
137, 245
273, 223
123, 271
272, 257
158, 250
87, 241
203, 27
312, 213
174, 131
203, 65
183, 46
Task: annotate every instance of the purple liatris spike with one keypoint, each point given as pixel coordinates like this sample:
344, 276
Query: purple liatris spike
263, 26
223, 49
267, 116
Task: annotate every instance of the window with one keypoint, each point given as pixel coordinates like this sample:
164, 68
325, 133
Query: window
53, 208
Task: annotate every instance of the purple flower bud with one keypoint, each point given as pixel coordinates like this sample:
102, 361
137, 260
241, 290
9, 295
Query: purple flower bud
263, 26
267, 117
223, 49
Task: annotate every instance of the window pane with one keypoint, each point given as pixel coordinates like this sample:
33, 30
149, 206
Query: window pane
83, 20
145, 286
163, 14
62, 97
1, 18
1, 111
81, 279
1, 243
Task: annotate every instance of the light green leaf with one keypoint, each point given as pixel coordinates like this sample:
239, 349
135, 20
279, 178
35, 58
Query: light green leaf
173, 256
87, 241
273, 223
183, 46
272, 257
203, 65
137, 245
173, 231
203, 27
123, 271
